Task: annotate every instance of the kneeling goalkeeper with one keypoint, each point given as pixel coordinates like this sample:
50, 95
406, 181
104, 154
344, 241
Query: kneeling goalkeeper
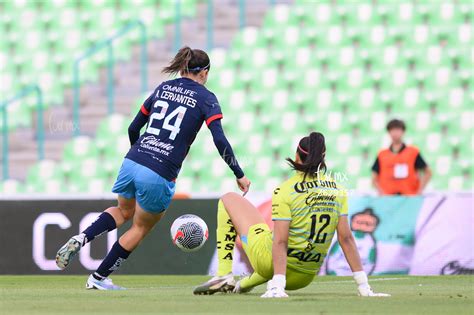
307, 210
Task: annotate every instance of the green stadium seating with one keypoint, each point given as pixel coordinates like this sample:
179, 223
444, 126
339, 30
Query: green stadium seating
11, 187
342, 68
45, 177
41, 39
112, 127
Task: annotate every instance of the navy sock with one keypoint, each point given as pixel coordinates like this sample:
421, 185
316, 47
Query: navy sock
105, 222
112, 261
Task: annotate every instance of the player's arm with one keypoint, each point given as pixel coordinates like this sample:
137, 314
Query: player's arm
425, 179
349, 247
281, 217
281, 230
227, 154
140, 120
224, 147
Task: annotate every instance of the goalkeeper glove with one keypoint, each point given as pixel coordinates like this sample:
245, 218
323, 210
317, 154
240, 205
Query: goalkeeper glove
276, 287
363, 286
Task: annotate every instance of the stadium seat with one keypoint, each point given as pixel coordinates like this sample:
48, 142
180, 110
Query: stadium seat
11, 187
45, 170
343, 68
112, 127
80, 147
46, 37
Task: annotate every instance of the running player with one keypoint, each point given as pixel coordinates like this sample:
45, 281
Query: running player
307, 210
174, 114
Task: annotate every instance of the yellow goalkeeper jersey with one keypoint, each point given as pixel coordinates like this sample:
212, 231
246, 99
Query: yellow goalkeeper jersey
313, 206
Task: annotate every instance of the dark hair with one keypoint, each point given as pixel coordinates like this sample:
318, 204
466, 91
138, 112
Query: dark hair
312, 150
188, 60
396, 124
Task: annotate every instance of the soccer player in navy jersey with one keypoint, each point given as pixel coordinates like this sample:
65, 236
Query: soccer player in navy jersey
174, 114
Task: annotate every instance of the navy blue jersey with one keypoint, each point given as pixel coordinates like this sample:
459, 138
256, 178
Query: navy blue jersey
176, 111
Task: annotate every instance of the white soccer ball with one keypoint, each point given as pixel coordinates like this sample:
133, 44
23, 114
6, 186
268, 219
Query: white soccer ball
189, 232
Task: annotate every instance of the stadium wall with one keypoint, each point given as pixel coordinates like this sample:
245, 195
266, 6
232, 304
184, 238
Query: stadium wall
31, 232
395, 235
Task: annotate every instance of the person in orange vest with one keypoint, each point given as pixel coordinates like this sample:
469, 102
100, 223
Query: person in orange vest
399, 169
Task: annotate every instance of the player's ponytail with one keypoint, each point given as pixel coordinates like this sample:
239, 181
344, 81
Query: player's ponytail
312, 150
188, 60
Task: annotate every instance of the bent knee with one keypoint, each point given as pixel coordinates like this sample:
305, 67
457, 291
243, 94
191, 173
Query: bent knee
128, 214
127, 211
229, 196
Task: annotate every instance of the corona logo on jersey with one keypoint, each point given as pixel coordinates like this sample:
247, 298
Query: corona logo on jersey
302, 187
363, 225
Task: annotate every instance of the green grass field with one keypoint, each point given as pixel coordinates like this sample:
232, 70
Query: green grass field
173, 295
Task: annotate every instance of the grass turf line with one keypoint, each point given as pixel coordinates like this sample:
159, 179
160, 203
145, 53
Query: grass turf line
173, 295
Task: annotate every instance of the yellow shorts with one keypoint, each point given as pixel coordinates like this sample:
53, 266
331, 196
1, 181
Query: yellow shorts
258, 247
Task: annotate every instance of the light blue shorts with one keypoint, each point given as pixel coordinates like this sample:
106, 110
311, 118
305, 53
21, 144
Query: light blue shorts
152, 192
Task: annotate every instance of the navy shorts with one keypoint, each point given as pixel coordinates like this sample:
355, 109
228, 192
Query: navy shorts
152, 192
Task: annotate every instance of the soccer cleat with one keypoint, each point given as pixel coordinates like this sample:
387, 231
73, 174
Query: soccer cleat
104, 284
216, 284
239, 289
69, 250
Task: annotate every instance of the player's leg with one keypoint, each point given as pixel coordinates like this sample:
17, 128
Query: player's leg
143, 223
111, 218
235, 214
247, 283
297, 280
124, 210
153, 196
107, 221
223, 281
242, 213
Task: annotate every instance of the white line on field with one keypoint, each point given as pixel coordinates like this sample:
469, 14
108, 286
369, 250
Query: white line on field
313, 283
352, 281
387, 279
164, 287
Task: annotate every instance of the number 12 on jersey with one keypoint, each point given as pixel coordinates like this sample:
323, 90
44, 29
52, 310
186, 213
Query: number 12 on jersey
179, 113
319, 237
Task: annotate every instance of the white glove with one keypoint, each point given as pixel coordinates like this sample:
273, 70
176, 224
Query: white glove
363, 286
367, 291
276, 287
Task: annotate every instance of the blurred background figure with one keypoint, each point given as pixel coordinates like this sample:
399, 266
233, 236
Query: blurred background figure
400, 169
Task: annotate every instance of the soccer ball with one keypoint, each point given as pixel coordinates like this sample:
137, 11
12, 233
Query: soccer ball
189, 232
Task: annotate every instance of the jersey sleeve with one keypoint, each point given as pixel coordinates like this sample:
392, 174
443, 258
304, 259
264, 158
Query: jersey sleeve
376, 166
280, 206
147, 104
420, 163
212, 109
344, 205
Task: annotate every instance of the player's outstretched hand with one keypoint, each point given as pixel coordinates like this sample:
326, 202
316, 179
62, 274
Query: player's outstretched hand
366, 290
276, 287
275, 292
244, 184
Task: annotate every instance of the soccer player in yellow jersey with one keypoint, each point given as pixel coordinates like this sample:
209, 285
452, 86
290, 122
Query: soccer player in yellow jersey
307, 210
